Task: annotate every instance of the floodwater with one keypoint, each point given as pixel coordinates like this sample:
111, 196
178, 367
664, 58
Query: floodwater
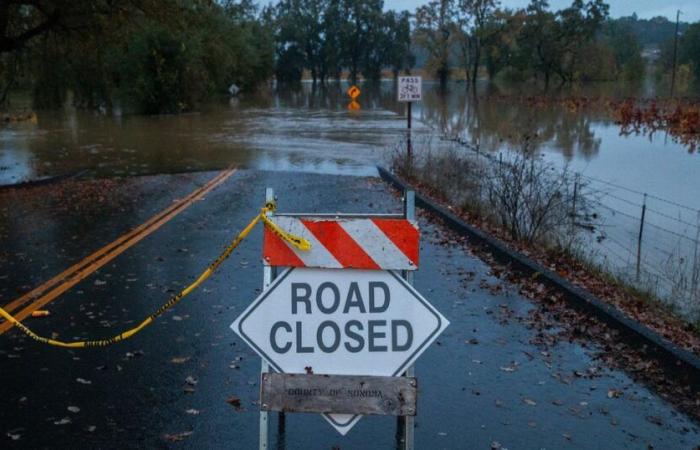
313, 130
307, 129
290, 130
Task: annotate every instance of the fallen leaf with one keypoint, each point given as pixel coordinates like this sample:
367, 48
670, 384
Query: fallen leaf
74, 409
234, 401
64, 421
192, 381
530, 402
180, 359
614, 393
83, 381
177, 437
193, 411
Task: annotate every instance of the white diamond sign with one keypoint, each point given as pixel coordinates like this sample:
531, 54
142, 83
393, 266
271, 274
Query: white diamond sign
340, 322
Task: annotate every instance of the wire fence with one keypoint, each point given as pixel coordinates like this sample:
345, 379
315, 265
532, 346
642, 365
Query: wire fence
647, 241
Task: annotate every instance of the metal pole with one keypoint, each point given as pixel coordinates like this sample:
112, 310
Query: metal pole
409, 148
409, 208
264, 366
573, 206
675, 54
639, 239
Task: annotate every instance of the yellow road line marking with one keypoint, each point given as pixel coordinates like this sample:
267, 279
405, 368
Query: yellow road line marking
78, 272
39, 290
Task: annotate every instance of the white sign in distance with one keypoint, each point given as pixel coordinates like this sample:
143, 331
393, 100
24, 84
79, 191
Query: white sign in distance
340, 322
410, 89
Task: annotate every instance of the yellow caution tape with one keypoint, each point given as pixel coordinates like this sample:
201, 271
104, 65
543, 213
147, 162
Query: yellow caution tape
297, 241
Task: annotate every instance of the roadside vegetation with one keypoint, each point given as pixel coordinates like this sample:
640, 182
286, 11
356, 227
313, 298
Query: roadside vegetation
550, 214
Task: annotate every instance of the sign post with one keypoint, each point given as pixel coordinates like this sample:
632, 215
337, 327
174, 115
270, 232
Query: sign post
410, 89
265, 367
341, 326
409, 209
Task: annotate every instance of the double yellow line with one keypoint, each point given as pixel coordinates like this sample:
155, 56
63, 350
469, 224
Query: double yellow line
51, 289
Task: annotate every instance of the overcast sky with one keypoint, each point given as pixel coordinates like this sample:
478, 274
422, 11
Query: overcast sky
690, 9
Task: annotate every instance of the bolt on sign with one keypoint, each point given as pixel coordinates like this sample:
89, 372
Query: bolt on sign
354, 92
410, 89
341, 308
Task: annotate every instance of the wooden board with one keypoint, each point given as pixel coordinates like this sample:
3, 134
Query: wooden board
338, 394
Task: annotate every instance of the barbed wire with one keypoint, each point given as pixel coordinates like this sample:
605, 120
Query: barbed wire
646, 222
492, 157
655, 197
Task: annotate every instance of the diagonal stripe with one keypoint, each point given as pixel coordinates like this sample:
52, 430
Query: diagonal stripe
318, 256
376, 244
278, 253
340, 244
404, 234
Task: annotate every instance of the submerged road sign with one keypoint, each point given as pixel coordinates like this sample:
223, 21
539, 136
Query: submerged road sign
340, 321
354, 92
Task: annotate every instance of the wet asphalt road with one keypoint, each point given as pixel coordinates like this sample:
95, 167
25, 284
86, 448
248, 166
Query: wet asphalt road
482, 382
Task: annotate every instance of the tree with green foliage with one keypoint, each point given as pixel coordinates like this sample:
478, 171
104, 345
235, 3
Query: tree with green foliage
363, 18
689, 49
538, 41
434, 27
554, 43
501, 32
398, 52
332, 45
154, 56
620, 38
481, 11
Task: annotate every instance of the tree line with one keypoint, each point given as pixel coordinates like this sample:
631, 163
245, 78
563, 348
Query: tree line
160, 56
154, 56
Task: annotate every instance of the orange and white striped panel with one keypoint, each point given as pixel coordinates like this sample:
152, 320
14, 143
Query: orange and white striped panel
381, 244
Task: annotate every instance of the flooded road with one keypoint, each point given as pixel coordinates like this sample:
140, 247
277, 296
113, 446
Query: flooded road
486, 380
312, 129
294, 130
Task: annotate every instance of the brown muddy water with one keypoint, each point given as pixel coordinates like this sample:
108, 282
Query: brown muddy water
306, 129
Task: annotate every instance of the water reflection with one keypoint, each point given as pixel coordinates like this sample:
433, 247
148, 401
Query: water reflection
310, 128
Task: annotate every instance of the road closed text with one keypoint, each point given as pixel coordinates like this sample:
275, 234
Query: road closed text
354, 321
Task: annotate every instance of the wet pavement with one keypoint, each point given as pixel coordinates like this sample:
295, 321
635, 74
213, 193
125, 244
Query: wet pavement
484, 381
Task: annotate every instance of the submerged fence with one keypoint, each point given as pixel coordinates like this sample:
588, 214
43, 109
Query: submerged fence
649, 242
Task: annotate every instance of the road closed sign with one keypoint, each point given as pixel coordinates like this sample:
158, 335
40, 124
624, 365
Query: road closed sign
410, 89
340, 322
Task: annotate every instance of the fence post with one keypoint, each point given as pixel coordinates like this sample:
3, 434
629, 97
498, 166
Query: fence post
695, 271
641, 232
573, 203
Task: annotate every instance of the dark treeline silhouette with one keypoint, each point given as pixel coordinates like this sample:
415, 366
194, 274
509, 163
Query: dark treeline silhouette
164, 56
326, 37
